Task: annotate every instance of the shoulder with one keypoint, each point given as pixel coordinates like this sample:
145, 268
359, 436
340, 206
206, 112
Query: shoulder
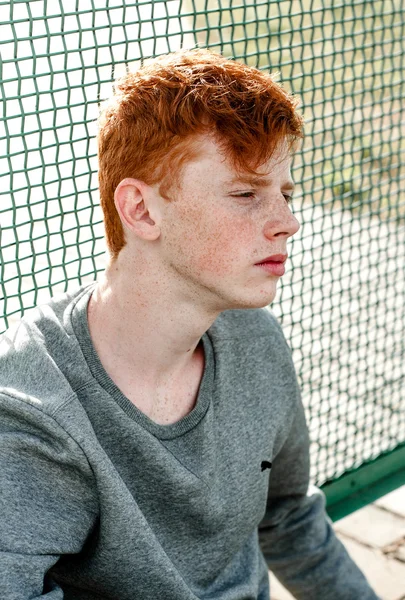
249, 325
252, 338
36, 352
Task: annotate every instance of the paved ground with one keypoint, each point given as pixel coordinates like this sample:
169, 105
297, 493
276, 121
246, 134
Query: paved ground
375, 537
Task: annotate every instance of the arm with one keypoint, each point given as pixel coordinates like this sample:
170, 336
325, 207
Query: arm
47, 500
296, 535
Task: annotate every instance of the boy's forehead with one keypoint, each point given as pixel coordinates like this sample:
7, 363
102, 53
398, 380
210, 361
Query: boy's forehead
210, 150
266, 180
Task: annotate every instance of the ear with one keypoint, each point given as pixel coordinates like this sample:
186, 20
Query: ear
134, 203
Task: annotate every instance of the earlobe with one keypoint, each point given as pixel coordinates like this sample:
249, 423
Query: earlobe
133, 200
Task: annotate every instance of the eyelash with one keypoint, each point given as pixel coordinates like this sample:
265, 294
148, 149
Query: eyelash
248, 195
245, 195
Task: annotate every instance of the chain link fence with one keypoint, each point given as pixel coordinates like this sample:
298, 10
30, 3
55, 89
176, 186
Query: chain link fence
342, 303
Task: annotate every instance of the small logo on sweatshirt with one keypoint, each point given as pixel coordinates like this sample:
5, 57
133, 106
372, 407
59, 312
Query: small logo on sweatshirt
266, 465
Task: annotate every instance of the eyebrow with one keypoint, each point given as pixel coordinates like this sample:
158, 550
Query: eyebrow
259, 182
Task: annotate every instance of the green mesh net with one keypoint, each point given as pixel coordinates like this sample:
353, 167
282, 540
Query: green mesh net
342, 302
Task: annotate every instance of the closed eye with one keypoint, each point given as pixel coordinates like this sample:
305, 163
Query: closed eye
251, 194
244, 195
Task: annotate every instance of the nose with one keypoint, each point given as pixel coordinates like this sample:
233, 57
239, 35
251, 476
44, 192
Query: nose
282, 223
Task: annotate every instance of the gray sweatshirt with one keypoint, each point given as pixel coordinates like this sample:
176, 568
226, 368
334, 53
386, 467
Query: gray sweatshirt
99, 502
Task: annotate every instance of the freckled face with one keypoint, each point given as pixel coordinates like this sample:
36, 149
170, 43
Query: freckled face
217, 227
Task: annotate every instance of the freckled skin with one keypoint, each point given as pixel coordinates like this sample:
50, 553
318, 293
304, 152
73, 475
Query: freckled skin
185, 261
212, 240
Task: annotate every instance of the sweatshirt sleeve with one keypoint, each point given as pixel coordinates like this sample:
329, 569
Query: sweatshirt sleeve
296, 534
48, 503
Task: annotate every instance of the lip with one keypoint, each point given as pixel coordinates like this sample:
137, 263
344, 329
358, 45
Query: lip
274, 265
275, 258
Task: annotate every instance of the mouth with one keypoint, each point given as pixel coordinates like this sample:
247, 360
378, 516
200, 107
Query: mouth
274, 265
274, 259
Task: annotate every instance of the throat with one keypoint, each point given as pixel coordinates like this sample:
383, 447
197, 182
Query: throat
172, 402
179, 400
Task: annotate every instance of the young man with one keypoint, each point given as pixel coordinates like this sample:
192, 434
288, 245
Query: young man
151, 422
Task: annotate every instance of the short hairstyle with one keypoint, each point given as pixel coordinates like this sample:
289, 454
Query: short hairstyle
150, 127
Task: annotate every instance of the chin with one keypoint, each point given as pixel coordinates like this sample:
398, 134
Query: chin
258, 300
264, 301
263, 297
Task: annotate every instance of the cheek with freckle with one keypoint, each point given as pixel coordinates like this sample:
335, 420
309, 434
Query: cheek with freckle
211, 242
221, 247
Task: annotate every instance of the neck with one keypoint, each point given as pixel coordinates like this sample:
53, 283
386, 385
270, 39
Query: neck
142, 325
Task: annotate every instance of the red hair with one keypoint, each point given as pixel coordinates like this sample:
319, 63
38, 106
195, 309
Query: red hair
150, 127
